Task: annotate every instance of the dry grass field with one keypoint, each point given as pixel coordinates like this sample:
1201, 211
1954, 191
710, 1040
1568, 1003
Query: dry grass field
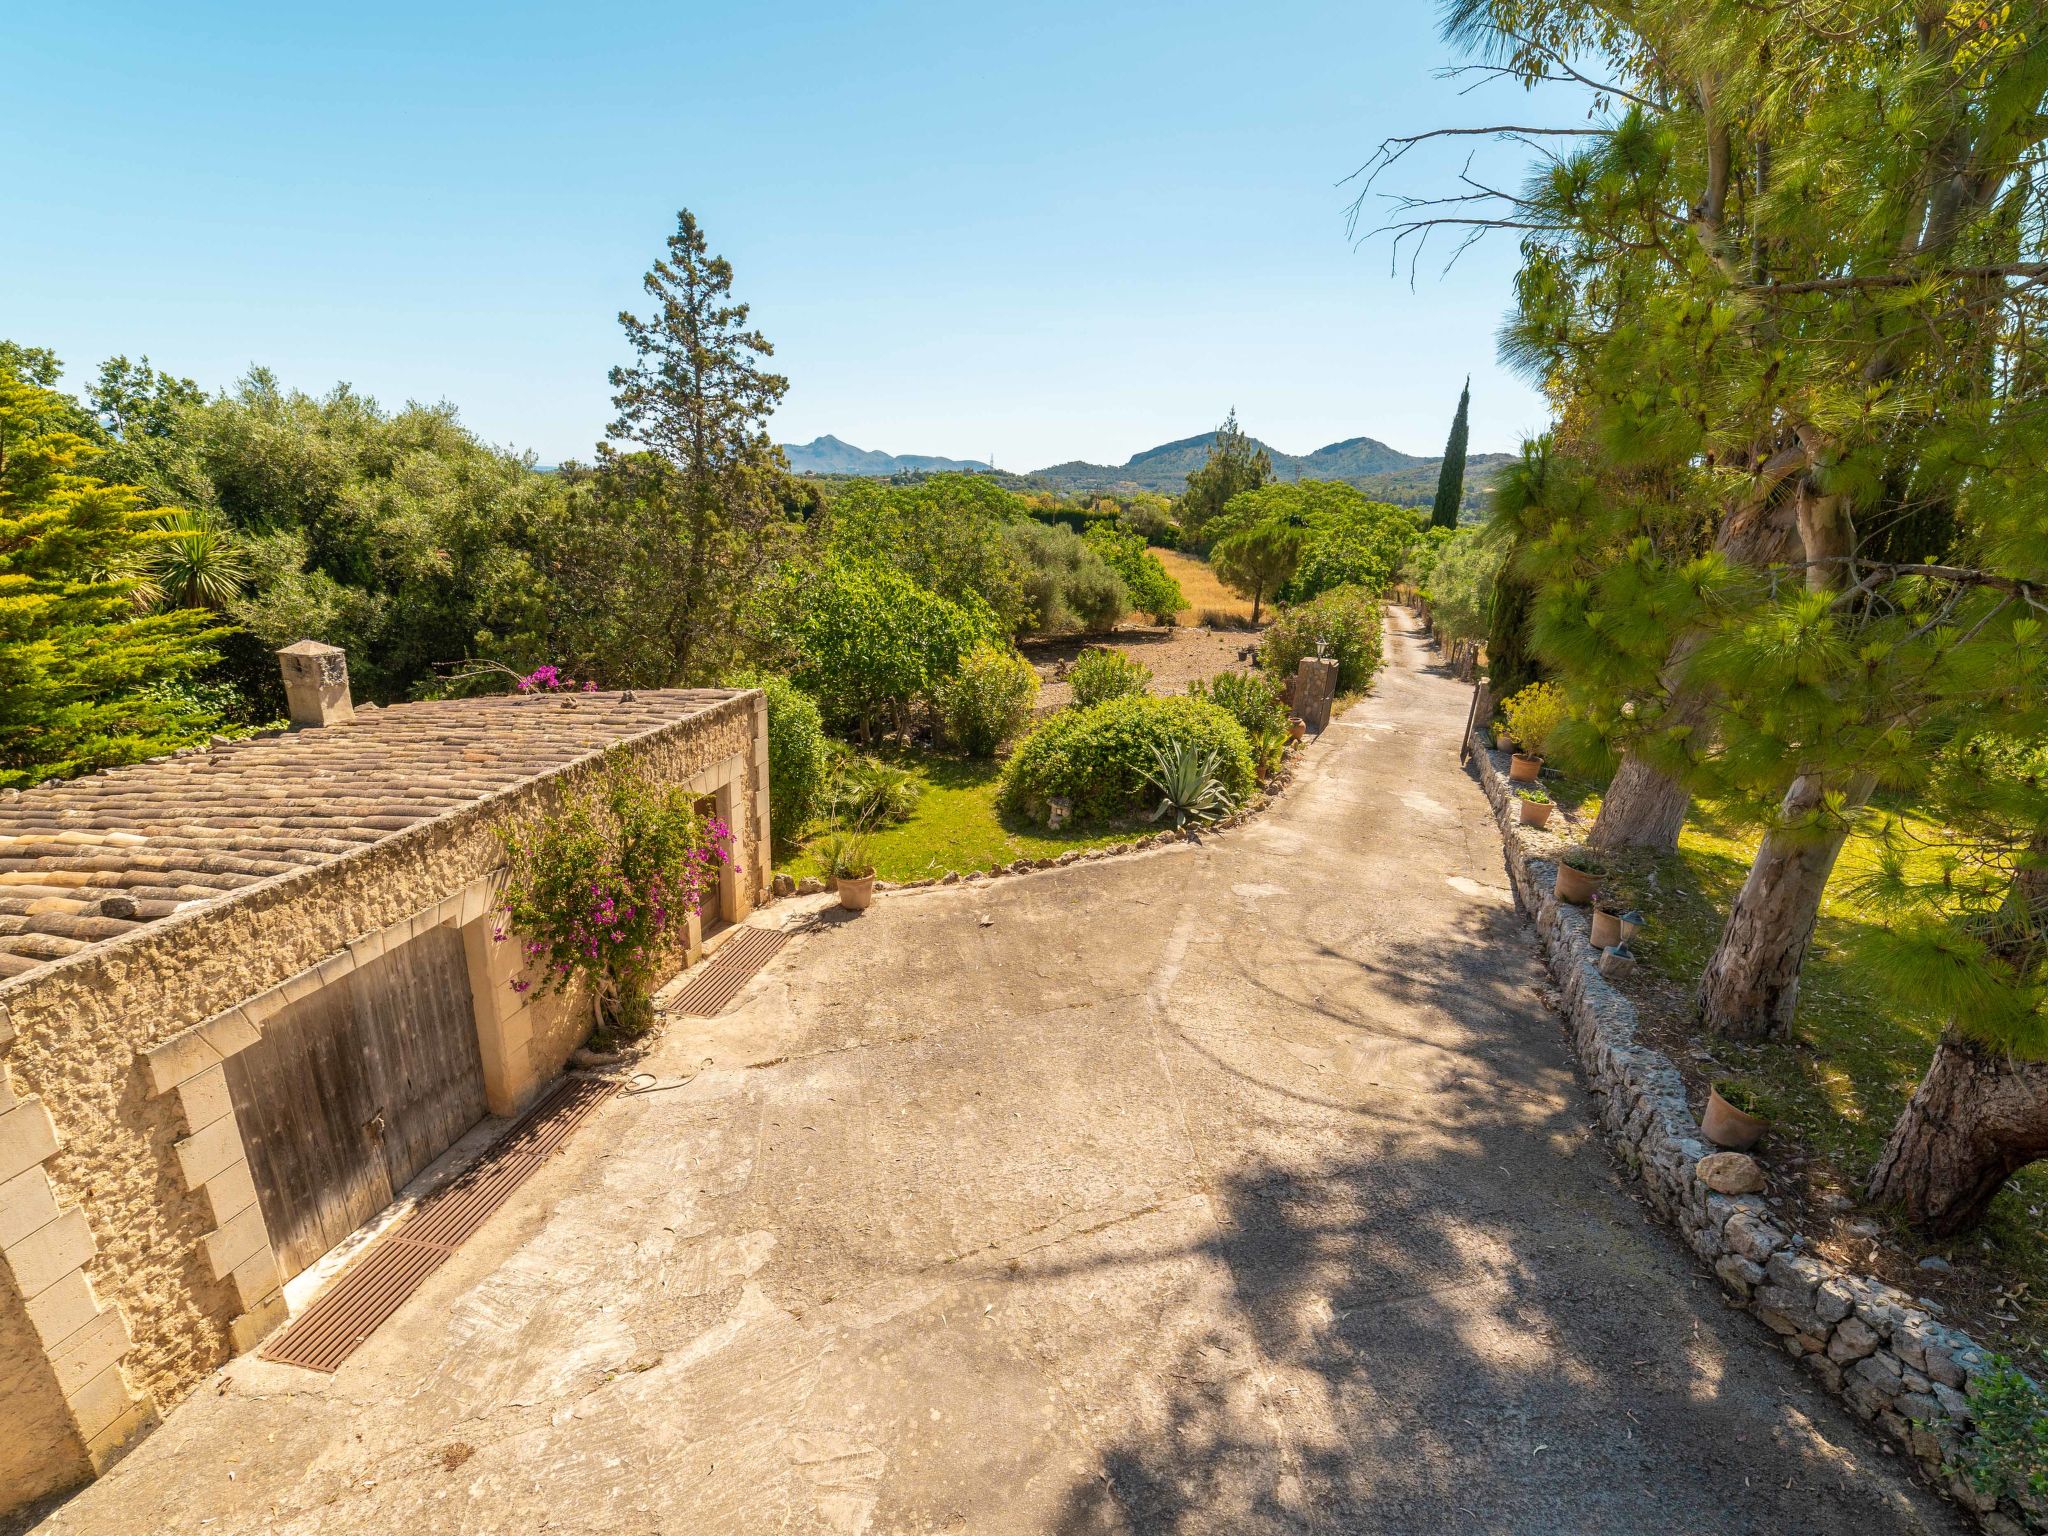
1205, 594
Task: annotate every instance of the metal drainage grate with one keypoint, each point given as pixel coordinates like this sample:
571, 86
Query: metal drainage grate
738, 961
398, 1263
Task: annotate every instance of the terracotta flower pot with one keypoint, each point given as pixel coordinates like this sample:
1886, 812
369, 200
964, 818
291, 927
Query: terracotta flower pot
1525, 769
1575, 885
1297, 728
1503, 741
1726, 1126
1606, 929
1536, 813
856, 895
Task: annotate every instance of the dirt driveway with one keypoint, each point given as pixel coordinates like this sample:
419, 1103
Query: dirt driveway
1236, 1189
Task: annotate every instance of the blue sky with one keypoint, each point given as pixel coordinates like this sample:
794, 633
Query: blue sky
1044, 232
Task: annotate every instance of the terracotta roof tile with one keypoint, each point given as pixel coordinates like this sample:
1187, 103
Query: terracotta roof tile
93, 858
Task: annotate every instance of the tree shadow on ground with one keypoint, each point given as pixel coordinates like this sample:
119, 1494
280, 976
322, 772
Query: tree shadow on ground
1462, 1321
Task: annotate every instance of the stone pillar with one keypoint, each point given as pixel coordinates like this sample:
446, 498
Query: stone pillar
1315, 690
316, 683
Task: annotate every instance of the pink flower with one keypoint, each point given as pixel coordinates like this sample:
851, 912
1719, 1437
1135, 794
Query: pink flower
590, 685
521, 984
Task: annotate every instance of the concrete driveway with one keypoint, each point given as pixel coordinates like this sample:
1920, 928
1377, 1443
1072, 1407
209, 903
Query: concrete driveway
1240, 1188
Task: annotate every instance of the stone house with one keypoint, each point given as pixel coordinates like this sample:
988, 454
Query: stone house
248, 992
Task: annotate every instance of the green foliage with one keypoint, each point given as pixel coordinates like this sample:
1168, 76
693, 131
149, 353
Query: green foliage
1152, 591
1535, 794
1343, 623
1249, 699
86, 681
1099, 757
2007, 1449
1069, 587
1419, 563
1345, 539
1269, 748
1461, 584
1189, 787
1450, 481
399, 537
988, 700
667, 547
868, 642
865, 791
798, 759
1256, 556
1533, 715
1235, 464
600, 892
1098, 676
947, 532
1150, 516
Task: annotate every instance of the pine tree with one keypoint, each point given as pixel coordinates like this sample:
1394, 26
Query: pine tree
1235, 464
1450, 475
684, 529
86, 679
1966, 937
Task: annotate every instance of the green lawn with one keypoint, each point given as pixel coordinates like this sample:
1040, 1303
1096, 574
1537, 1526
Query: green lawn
957, 827
1834, 1089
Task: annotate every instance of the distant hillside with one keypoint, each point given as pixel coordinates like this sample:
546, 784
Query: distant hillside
827, 455
1384, 473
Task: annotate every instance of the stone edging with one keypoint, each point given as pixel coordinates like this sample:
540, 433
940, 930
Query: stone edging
1866, 1342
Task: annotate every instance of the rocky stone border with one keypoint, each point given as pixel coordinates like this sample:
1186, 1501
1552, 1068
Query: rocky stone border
1870, 1344
1257, 804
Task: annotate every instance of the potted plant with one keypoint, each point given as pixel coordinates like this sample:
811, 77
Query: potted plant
1578, 870
850, 869
1730, 1119
1503, 738
1532, 715
1606, 927
1297, 728
1536, 805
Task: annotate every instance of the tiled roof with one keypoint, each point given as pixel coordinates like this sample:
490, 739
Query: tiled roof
92, 858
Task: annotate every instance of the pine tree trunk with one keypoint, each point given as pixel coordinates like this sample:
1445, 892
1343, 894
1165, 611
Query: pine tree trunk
1643, 808
1977, 1118
1751, 986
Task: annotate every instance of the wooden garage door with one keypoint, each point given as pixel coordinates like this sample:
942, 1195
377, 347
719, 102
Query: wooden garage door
355, 1089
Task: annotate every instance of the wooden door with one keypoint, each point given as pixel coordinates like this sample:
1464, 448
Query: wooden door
355, 1089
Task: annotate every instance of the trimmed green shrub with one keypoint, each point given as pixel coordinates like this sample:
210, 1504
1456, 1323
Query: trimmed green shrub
1100, 757
988, 701
1343, 624
1068, 587
798, 761
1103, 675
1249, 699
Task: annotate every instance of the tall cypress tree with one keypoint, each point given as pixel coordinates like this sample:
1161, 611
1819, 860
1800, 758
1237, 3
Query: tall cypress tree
1450, 477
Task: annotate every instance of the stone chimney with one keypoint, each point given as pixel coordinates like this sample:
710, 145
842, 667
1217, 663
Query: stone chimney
316, 683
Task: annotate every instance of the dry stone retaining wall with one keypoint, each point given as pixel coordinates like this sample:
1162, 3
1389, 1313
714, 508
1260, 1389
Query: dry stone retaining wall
1868, 1343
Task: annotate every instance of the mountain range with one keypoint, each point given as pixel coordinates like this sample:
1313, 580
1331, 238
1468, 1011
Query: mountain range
1386, 473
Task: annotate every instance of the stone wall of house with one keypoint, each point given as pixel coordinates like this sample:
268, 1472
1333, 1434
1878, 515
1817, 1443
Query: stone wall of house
1870, 1344
123, 1152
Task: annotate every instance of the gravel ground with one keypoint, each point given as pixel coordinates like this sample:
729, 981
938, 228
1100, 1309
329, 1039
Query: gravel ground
1177, 657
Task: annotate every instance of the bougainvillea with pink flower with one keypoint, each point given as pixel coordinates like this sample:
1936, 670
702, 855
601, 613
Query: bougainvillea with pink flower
602, 891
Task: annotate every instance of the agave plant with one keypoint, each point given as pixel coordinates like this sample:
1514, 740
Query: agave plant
1185, 776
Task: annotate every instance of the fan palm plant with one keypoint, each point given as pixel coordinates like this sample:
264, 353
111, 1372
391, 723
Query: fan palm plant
193, 561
